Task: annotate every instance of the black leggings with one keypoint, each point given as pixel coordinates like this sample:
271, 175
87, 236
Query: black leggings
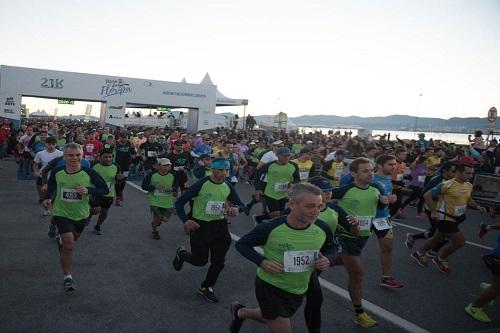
211, 238
314, 299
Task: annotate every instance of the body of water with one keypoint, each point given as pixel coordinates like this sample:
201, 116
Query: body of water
458, 138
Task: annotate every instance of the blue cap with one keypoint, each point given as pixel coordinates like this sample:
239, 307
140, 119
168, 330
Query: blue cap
204, 156
321, 182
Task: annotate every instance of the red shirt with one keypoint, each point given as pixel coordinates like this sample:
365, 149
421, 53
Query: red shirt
91, 149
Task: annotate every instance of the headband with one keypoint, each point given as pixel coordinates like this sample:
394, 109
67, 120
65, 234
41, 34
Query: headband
220, 164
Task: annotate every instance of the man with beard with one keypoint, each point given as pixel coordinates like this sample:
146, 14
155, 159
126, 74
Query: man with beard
181, 163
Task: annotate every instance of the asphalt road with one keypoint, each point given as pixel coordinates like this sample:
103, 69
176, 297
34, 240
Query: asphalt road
125, 281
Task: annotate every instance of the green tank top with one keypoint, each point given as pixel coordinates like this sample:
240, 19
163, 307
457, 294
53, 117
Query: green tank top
161, 198
279, 177
210, 202
108, 173
68, 202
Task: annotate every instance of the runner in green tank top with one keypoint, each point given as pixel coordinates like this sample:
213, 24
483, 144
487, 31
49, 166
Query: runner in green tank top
359, 199
273, 180
212, 197
162, 187
111, 174
69, 188
294, 246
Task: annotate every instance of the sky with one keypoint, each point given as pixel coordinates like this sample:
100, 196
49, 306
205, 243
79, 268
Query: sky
433, 58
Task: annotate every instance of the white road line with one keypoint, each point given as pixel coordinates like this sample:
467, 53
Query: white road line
419, 229
375, 309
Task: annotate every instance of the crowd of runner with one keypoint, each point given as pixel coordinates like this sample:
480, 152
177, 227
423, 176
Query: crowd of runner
318, 199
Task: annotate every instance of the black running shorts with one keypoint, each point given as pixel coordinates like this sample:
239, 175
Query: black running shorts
65, 225
274, 302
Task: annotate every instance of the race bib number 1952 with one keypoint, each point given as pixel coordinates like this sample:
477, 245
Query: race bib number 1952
299, 261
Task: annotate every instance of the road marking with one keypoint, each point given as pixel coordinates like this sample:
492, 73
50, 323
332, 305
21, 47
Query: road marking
422, 230
137, 187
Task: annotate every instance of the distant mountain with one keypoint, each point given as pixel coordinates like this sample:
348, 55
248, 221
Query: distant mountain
394, 122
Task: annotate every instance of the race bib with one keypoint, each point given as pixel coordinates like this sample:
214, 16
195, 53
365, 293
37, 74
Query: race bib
460, 210
70, 195
152, 153
303, 175
125, 173
281, 187
299, 261
234, 179
381, 223
161, 193
178, 168
365, 222
214, 208
89, 148
421, 179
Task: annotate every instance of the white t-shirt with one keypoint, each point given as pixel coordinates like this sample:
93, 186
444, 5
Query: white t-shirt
270, 156
44, 157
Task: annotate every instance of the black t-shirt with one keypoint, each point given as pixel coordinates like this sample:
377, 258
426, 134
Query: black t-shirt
123, 152
151, 150
183, 159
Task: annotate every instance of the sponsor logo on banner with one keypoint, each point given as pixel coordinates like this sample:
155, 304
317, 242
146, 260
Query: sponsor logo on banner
115, 87
183, 94
9, 101
112, 114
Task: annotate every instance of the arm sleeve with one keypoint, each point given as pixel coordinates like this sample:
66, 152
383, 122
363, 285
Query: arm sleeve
49, 167
296, 174
199, 172
52, 185
146, 183
259, 184
329, 248
324, 170
343, 222
192, 192
257, 237
234, 198
339, 192
100, 185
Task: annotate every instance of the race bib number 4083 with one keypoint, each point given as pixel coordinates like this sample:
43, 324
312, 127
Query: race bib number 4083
299, 261
70, 195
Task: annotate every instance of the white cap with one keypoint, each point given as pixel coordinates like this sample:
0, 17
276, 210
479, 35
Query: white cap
164, 161
279, 142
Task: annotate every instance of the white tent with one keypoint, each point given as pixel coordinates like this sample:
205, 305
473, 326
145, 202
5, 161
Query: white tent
222, 100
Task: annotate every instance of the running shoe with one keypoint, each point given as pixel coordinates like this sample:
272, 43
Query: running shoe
52, 231
477, 313
256, 220
236, 321
68, 284
208, 294
364, 320
155, 235
419, 258
178, 260
482, 230
432, 254
482, 287
97, 230
442, 265
409, 242
390, 282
